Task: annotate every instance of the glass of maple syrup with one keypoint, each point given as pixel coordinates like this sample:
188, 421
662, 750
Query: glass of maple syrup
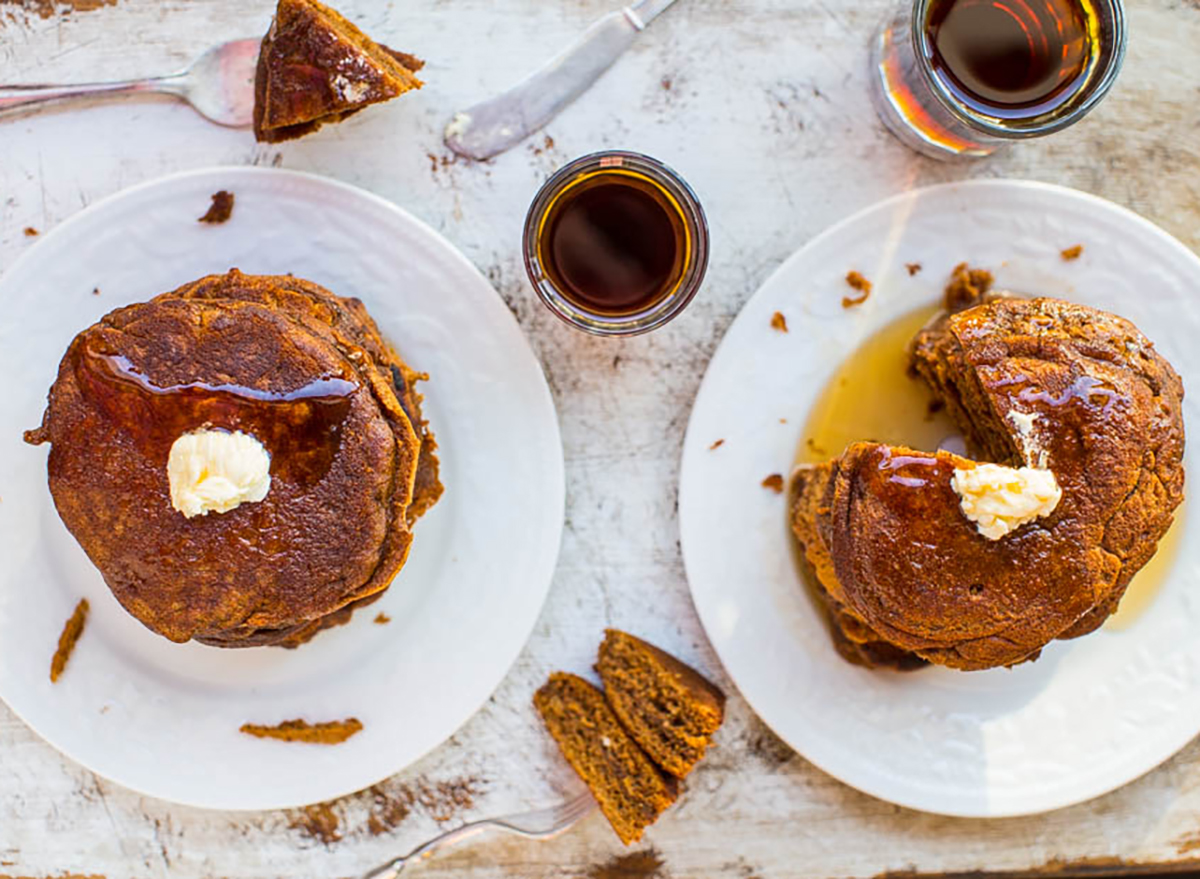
616, 244
959, 78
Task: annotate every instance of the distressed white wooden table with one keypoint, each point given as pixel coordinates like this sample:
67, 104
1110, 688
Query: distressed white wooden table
762, 105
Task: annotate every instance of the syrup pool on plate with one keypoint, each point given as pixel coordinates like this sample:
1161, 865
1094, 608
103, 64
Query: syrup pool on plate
872, 397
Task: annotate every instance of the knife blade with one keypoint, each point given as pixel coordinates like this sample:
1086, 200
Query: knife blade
499, 123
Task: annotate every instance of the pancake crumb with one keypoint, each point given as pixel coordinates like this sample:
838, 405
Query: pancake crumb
331, 733
774, 482
67, 640
716, 445
221, 208
382, 619
30, 232
318, 822
95, 291
859, 283
779, 322
967, 287
1072, 253
914, 268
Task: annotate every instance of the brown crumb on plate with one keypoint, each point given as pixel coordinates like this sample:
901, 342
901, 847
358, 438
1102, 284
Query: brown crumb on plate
332, 733
221, 208
716, 445
382, 619
30, 232
67, 640
914, 268
967, 287
779, 322
1072, 253
95, 291
859, 283
774, 482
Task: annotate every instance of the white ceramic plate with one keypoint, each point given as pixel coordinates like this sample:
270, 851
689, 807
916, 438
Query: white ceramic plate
1088, 717
163, 718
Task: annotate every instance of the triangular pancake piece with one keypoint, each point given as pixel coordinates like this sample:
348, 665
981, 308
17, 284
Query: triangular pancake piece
316, 67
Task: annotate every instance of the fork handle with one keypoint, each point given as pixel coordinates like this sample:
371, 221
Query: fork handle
15, 98
393, 869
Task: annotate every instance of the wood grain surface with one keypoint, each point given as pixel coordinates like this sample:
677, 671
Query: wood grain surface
763, 106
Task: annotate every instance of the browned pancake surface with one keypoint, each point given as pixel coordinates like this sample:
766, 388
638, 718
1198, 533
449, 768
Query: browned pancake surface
274, 572
884, 530
315, 67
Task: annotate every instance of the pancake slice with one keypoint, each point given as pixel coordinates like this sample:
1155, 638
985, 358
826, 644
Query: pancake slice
667, 706
630, 790
316, 67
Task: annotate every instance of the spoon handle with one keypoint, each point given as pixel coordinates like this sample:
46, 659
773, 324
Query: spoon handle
18, 98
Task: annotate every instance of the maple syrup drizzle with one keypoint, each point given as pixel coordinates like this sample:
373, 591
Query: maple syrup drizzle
301, 429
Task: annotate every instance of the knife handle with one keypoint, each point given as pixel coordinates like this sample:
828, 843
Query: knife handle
498, 124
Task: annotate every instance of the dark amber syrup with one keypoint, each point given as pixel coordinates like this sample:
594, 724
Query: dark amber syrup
301, 429
614, 243
1013, 59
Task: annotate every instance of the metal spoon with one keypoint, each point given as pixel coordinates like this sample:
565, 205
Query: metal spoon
219, 85
502, 122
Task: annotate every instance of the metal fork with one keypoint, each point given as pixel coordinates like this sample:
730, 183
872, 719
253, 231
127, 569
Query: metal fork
542, 824
220, 85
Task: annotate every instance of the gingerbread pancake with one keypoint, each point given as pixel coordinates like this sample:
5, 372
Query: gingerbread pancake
1036, 383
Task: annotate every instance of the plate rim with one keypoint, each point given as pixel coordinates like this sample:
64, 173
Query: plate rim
693, 443
556, 478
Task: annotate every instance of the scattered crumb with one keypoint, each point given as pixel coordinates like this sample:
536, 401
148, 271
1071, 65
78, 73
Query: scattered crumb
774, 482
95, 291
388, 811
859, 283
67, 640
914, 268
331, 733
646, 864
382, 619
30, 232
666, 83
318, 822
1072, 253
221, 208
783, 421
967, 286
779, 322
716, 445
549, 142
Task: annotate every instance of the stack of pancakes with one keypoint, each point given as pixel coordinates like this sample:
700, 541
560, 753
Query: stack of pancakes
908, 579
316, 547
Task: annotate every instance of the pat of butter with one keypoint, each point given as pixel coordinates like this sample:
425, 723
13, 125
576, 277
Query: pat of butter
1001, 499
215, 471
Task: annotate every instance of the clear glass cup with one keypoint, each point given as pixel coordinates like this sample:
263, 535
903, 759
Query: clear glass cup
920, 107
695, 259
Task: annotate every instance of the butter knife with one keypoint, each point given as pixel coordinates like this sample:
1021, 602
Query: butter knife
495, 125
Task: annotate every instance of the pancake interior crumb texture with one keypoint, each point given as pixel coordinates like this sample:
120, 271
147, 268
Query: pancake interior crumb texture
68, 639
630, 790
667, 706
330, 733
